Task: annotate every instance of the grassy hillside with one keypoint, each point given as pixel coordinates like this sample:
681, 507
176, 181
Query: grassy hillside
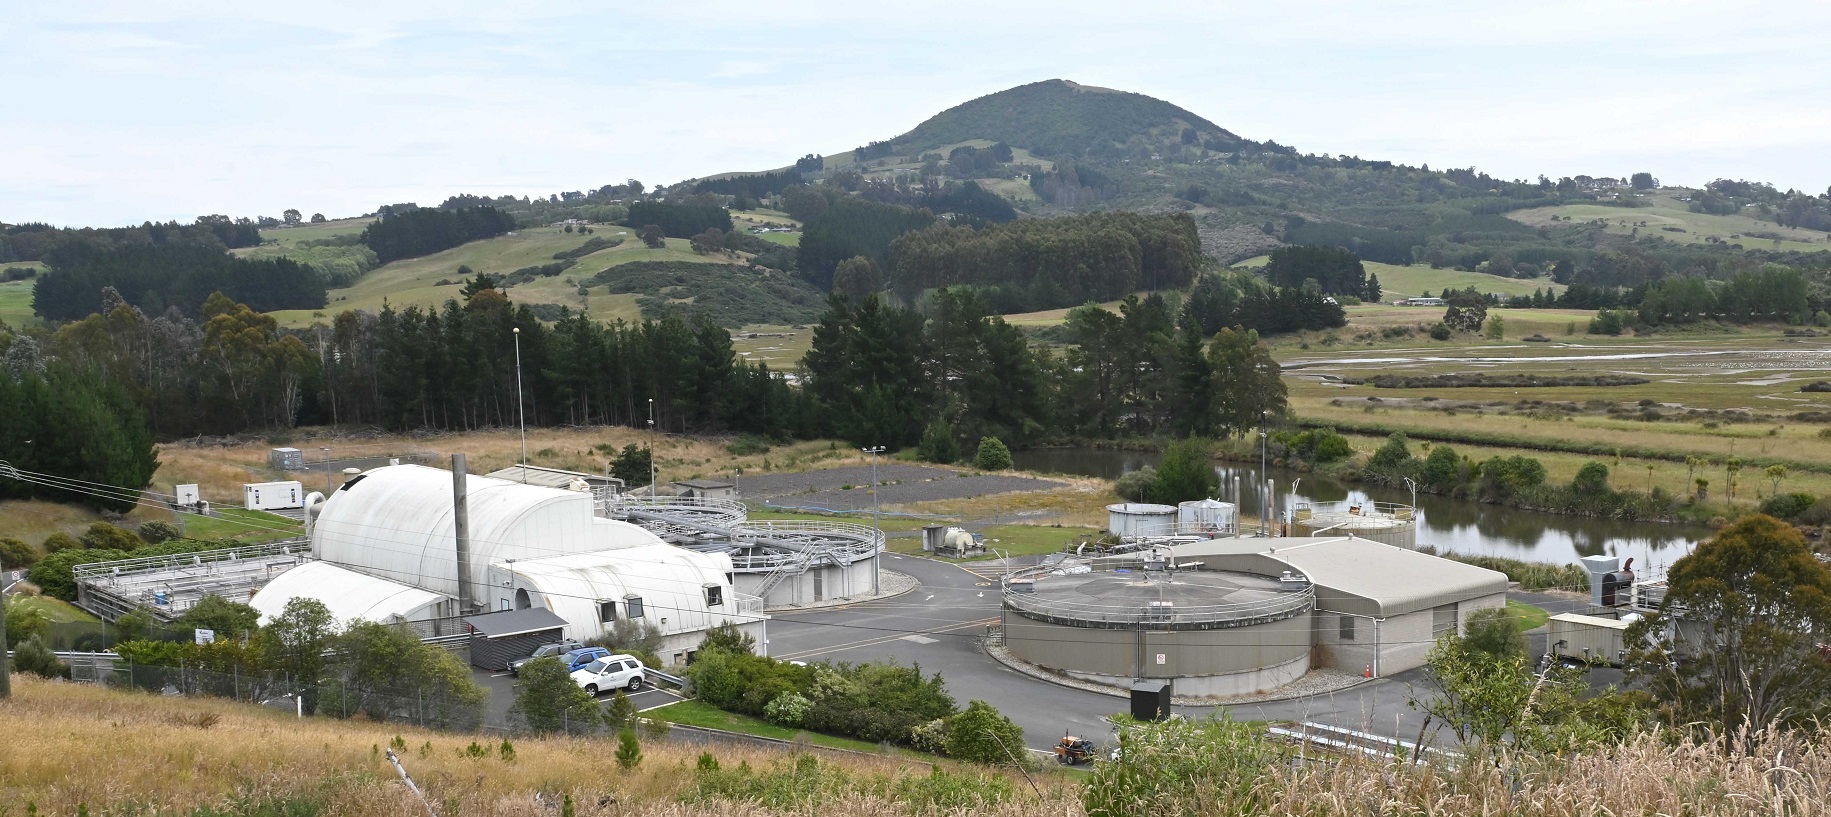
1057, 117
415, 281
1666, 211
16, 303
293, 236
1400, 282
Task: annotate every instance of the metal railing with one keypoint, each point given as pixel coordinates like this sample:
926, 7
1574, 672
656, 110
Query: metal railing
1348, 511
141, 564
1084, 613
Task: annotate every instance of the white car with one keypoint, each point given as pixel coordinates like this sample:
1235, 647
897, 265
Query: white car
611, 672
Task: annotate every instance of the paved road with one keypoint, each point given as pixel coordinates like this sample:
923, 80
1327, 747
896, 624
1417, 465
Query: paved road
938, 626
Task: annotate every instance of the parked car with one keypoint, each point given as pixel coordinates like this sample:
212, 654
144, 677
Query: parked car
545, 651
612, 672
577, 659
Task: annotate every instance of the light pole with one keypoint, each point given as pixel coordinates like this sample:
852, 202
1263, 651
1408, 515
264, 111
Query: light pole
1293, 504
521, 418
1409, 483
1265, 507
651, 448
877, 532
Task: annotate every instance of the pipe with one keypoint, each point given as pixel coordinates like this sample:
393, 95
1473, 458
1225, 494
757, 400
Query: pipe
460, 523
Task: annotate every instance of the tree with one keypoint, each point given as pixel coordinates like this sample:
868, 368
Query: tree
1643, 181
1496, 328
1748, 608
653, 237
155, 531
857, 278
229, 619
1371, 294
1392, 454
291, 217
1186, 473
1776, 474
295, 641
621, 713
549, 701
938, 444
629, 749
60, 541
980, 734
16, 554
1467, 310
992, 455
1248, 383
318, 218
1591, 480
1496, 632
632, 465
1136, 486
103, 536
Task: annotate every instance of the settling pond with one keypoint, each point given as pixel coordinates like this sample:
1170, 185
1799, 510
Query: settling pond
1447, 524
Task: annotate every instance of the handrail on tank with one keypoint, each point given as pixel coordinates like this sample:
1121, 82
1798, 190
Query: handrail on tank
1395, 511
1281, 606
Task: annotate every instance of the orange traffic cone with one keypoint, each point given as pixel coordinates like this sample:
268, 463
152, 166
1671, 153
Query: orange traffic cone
1369, 671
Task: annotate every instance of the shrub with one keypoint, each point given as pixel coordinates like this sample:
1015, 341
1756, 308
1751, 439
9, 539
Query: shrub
1391, 455
36, 658
1495, 631
156, 531
1186, 473
1443, 468
1440, 332
938, 443
992, 455
981, 735
1788, 506
787, 709
747, 445
60, 541
23, 623
15, 554
629, 750
1134, 486
103, 536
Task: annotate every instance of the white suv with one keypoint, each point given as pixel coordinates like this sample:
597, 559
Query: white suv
611, 672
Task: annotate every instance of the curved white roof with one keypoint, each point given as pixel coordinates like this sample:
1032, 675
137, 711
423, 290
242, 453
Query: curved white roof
396, 522
671, 581
348, 594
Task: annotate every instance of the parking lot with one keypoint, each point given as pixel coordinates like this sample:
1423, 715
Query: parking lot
502, 694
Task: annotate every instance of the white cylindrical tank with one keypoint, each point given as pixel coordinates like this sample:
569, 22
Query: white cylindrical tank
1204, 515
1140, 519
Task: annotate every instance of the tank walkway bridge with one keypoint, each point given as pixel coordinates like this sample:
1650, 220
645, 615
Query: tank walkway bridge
777, 550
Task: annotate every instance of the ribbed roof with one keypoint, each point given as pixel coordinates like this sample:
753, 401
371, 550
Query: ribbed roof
1353, 575
349, 595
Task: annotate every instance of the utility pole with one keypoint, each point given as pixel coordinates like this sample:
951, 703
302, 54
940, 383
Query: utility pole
520, 416
6, 664
651, 448
1265, 506
877, 531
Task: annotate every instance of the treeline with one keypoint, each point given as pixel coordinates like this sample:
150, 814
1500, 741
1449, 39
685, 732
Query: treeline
678, 219
1073, 185
844, 227
423, 231
1337, 271
39, 242
154, 277
1772, 293
1048, 263
1224, 299
61, 420
1516, 481
751, 186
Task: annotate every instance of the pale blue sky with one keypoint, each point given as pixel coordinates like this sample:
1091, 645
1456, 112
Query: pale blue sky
118, 113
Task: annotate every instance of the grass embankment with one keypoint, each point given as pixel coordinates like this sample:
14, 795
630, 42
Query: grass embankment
1528, 616
212, 757
56, 611
240, 525
16, 301
696, 713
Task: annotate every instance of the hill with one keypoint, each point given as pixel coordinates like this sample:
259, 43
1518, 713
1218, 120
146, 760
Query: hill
1061, 119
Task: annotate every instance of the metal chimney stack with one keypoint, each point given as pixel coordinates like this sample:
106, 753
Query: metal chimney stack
460, 523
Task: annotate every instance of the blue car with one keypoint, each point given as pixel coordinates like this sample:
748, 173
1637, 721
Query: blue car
577, 659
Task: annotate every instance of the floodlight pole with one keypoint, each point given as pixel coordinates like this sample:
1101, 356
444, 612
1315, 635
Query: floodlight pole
877, 531
651, 448
521, 418
1265, 507
1413, 485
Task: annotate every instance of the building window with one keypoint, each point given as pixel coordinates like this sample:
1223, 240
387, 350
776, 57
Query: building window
1443, 621
607, 612
632, 606
715, 595
1347, 628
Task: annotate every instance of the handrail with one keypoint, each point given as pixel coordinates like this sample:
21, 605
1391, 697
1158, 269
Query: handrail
141, 564
1368, 510
1282, 606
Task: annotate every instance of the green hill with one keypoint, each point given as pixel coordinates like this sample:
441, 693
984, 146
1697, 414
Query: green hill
1058, 118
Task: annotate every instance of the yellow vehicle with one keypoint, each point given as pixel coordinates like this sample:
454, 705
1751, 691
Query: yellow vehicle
1072, 750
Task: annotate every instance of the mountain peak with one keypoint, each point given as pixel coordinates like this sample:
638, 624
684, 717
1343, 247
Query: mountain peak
1059, 118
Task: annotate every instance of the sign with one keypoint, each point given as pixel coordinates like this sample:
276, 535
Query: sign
208, 636
1159, 657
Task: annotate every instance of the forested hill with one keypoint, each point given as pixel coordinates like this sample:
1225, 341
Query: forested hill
1061, 119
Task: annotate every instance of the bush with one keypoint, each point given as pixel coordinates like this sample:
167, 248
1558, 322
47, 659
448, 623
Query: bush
938, 444
103, 536
1134, 486
788, 709
981, 735
36, 658
15, 554
1495, 631
992, 455
1186, 473
23, 623
1440, 332
60, 541
1392, 454
1788, 506
156, 531
629, 750
747, 445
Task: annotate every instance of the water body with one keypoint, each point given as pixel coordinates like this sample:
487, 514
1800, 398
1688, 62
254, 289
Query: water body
1447, 524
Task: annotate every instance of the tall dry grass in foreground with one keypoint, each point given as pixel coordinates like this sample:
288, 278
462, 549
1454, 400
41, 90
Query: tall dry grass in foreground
117, 751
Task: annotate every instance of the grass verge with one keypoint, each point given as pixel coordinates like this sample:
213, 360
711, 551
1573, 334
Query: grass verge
698, 713
1528, 616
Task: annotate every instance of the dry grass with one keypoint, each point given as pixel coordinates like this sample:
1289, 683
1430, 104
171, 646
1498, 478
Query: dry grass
1083, 502
189, 753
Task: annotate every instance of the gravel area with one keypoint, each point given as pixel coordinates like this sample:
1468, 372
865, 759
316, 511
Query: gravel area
889, 584
1320, 681
897, 485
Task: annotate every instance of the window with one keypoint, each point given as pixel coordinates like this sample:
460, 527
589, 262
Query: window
1347, 627
1443, 620
715, 595
607, 612
632, 606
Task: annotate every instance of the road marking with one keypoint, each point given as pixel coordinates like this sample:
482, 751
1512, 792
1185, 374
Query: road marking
884, 639
920, 639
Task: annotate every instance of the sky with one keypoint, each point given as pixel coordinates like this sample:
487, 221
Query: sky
123, 112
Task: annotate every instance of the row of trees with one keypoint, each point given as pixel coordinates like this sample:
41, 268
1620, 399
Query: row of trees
60, 420
1334, 270
1049, 263
403, 233
156, 276
1242, 299
43, 242
679, 219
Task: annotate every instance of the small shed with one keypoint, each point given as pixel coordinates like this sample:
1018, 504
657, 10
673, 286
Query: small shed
705, 489
1593, 639
286, 459
498, 638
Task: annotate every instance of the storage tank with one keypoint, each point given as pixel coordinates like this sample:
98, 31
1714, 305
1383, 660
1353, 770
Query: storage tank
1204, 516
1384, 522
1140, 519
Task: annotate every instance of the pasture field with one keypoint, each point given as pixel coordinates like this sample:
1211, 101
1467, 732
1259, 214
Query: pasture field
746, 219
415, 281
293, 236
781, 353
1668, 211
16, 303
1411, 281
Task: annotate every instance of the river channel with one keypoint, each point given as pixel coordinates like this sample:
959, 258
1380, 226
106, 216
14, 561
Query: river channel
1444, 523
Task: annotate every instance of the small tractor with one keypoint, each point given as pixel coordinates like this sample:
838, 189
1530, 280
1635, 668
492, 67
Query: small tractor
1072, 751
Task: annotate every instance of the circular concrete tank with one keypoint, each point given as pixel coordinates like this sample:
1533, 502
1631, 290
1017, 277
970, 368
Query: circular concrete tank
1210, 632
1128, 519
1379, 521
